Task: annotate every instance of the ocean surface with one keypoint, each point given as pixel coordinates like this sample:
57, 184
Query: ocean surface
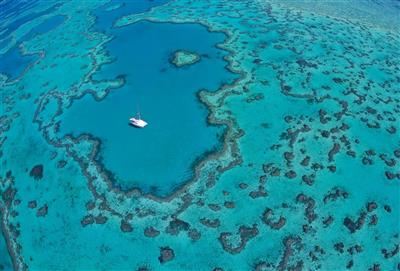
278, 149
161, 156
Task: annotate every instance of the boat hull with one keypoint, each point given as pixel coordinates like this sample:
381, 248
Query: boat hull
138, 123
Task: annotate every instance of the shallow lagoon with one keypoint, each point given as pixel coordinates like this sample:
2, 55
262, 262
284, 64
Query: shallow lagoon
160, 157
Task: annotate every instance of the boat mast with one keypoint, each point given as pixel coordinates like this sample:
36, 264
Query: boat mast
138, 111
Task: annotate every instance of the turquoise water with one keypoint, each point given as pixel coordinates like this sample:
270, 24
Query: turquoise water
160, 157
306, 176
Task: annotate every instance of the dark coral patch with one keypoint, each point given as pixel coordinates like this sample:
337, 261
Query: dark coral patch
87, 220
42, 211
166, 254
211, 223
125, 226
175, 226
310, 205
100, 219
151, 232
32, 204
245, 233
291, 243
334, 194
266, 218
194, 234
353, 226
389, 254
37, 172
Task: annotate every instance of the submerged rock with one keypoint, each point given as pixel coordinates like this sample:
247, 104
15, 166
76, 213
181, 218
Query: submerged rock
310, 205
175, 226
260, 193
8, 195
32, 204
339, 247
291, 174
245, 234
61, 163
166, 254
125, 226
389, 254
266, 218
354, 226
212, 223
100, 219
334, 194
349, 264
37, 172
42, 211
291, 243
87, 220
214, 207
194, 234
371, 206
151, 232
308, 179
335, 149
90, 205
387, 208
327, 221
229, 204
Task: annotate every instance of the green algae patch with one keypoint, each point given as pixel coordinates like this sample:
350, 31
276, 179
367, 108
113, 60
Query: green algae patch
183, 58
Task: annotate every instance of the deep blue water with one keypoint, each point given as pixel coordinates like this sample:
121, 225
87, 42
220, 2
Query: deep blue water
160, 156
105, 18
13, 63
5, 42
46, 26
10, 8
22, 20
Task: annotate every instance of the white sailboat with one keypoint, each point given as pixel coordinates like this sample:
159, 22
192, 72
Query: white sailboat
138, 122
